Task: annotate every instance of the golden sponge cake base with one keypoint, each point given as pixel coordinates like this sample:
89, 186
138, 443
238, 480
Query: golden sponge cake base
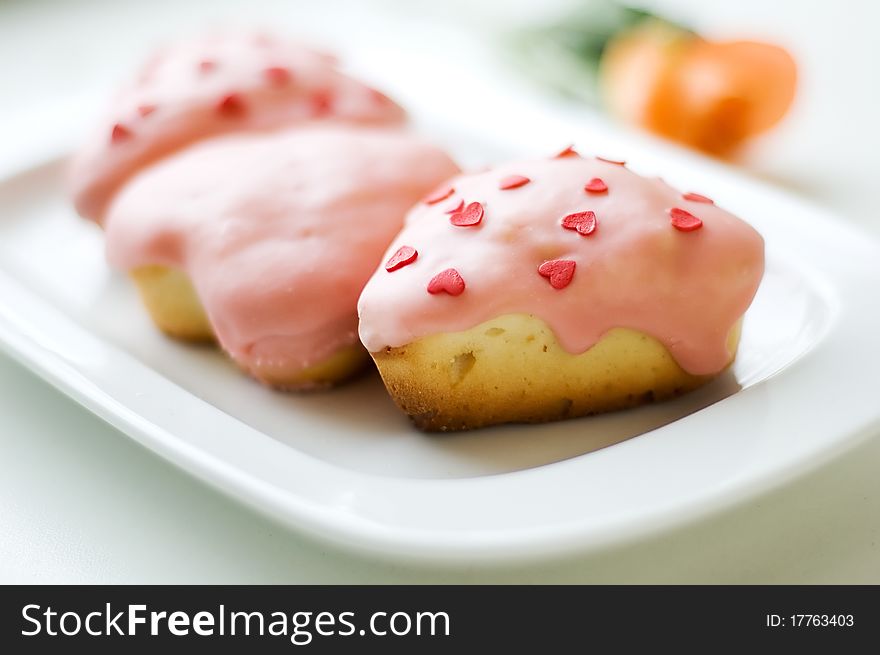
511, 369
172, 303
175, 308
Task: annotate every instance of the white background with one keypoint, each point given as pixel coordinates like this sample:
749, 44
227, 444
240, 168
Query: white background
79, 502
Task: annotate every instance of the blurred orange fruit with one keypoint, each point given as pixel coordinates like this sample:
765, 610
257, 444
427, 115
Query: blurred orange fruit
709, 95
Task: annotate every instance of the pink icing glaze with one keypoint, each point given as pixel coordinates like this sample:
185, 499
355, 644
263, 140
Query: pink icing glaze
278, 232
686, 289
178, 99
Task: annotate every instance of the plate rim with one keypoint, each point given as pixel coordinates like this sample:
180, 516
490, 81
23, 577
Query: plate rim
41, 353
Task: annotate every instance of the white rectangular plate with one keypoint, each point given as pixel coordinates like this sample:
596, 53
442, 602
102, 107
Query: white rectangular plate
347, 466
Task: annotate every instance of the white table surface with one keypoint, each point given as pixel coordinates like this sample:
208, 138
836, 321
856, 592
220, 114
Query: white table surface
80, 502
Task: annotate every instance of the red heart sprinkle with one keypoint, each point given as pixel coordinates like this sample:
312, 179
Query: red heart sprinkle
146, 110
596, 185
322, 102
696, 197
404, 255
119, 133
207, 65
558, 271
456, 208
277, 75
584, 222
230, 105
448, 281
612, 161
568, 151
513, 182
469, 216
438, 194
684, 221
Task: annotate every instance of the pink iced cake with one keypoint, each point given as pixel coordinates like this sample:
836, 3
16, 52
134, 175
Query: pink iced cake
250, 188
553, 288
